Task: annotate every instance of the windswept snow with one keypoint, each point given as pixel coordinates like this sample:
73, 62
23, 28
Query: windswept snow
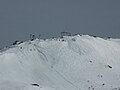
68, 63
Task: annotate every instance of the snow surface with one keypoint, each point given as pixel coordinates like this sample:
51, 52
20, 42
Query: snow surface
68, 63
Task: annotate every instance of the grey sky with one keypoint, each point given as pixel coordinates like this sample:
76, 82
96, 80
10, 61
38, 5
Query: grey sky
19, 18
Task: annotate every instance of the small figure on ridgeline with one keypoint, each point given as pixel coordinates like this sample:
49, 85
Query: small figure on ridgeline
32, 37
39, 36
16, 42
65, 34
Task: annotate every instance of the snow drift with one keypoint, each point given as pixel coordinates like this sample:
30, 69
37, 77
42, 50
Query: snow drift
68, 63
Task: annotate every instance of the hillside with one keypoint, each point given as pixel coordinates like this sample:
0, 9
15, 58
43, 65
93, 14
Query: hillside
78, 62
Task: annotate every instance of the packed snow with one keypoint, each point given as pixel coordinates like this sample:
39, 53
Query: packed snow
79, 62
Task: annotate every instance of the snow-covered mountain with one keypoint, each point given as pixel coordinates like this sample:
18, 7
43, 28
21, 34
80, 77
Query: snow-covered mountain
78, 62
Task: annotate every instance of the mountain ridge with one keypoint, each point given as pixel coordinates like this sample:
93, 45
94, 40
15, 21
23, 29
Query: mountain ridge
79, 62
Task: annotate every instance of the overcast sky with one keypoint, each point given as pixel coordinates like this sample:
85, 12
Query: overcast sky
19, 18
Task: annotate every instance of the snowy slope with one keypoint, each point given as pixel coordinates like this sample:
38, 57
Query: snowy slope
68, 63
